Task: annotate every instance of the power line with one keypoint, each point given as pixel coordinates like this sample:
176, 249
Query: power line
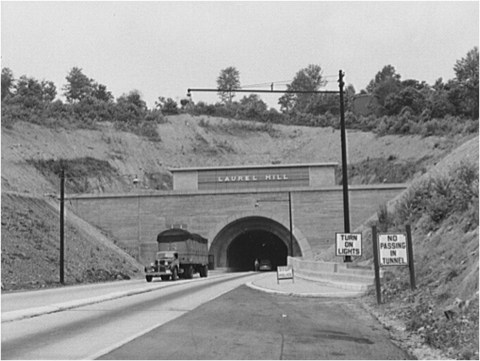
278, 82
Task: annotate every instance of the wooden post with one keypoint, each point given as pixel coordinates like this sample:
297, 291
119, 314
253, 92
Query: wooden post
62, 216
410, 257
376, 264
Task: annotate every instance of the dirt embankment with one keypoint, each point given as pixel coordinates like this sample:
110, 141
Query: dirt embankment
195, 141
31, 247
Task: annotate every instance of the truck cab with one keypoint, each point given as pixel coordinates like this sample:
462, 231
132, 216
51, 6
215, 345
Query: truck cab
165, 266
180, 254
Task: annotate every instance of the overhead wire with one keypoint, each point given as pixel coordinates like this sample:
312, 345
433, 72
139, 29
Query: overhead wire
278, 82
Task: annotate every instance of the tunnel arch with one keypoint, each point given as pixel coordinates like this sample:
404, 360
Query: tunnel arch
240, 237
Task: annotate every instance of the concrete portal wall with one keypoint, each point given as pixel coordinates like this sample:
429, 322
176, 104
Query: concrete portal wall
134, 220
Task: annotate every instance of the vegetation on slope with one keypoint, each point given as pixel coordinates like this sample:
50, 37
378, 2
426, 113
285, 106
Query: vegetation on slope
30, 249
77, 172
443, 211
381, 170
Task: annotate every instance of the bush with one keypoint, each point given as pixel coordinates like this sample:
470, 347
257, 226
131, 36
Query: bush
78, 171
385, 219
442, 196
143, 128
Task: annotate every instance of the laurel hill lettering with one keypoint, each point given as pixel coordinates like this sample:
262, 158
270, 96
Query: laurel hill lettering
252, 178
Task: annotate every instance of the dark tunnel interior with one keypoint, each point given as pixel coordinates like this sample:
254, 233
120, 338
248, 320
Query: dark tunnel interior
257, 244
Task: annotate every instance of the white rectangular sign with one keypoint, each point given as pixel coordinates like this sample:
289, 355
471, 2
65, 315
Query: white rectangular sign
348, 244
284, 273
392, 249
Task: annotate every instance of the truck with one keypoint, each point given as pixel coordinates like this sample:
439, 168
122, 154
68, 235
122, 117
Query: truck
180, 254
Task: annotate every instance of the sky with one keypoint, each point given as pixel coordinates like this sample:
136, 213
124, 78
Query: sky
163, 48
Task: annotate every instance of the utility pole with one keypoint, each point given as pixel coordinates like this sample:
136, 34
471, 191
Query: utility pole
290, 220
346, 212
62, 234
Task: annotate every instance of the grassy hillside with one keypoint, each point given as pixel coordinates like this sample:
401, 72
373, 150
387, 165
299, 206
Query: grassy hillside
30, 247
29, 152
443, 210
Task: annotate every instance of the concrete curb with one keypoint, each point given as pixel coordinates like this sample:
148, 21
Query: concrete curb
58, 307
304, 294
360, 287
37, 311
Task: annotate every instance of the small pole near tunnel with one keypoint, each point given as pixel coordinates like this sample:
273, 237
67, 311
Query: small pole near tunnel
290, 219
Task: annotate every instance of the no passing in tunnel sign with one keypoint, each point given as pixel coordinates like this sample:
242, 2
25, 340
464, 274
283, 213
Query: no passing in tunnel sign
348, 244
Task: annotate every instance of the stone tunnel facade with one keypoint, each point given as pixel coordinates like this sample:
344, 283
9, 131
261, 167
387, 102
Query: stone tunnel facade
245, 212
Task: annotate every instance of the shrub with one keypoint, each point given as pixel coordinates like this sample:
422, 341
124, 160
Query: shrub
77, 171
442, 196
385, 219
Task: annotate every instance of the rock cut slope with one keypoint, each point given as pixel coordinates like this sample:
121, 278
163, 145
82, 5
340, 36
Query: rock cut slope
194, 141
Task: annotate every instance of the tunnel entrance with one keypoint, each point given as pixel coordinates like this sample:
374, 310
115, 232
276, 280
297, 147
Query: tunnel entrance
257, 244
240, 242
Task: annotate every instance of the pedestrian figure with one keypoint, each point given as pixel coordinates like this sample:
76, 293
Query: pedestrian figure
256, 264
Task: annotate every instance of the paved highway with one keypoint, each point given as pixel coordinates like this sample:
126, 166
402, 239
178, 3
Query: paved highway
212, 318
91, 331
247, 324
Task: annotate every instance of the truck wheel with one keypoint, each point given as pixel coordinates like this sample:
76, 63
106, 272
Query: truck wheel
148, 278
204, 271
175, 274
164, 278
189, 272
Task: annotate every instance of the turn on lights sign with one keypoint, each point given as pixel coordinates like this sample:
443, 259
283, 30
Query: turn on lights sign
348, 244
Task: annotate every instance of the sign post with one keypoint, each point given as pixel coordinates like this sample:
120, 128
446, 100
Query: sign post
376, 264
410, 257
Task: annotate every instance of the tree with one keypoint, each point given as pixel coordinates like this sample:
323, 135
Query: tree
132, 104
349, 97
307, 79
408, 97
7, 82
101, 93
30, 92
49, 91
78, 86
466, 71
228, 81
286, 102
386, 82
184, 103
252, 107
167, 106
